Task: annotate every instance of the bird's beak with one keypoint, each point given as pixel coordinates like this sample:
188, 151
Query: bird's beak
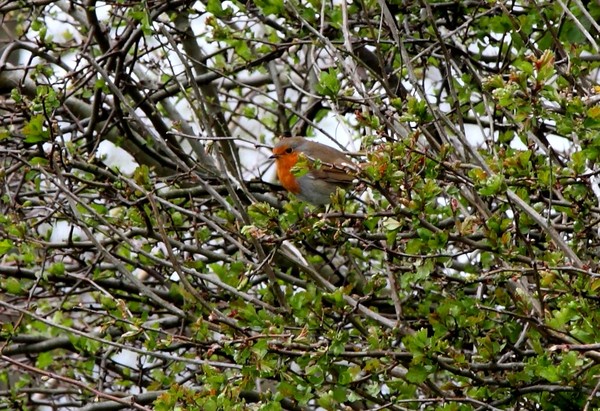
274, 157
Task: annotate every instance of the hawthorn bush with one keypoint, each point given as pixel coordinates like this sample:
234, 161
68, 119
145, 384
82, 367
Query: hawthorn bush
149, 260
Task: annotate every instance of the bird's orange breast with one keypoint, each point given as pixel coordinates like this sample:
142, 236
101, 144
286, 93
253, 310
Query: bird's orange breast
284, 165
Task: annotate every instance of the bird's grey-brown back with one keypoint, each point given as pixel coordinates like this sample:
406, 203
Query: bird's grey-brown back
342, 170
322, 152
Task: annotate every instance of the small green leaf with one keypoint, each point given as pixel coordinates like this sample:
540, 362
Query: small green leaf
550, 373
34, 130
425, 269
215, 7
592, 120
16, 96
329, 84
275, 7
302, 167
57, 269
391, 224
44, 359
525, 66
418, 373
5, 246
13, 286
414, 246
492, 185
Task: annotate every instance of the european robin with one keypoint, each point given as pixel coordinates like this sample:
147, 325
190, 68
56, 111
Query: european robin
333, 169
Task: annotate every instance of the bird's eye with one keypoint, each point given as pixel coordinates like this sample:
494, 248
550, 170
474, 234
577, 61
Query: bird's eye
289, 150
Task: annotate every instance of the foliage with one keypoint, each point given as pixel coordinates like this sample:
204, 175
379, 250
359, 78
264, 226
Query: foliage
461, 272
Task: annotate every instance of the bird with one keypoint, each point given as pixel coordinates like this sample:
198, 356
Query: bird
333, 169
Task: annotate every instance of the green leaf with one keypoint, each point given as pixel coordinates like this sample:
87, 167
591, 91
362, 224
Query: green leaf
5, 246
13, 286
417, 343
425, 269
391, 224
571, 33
262, 215
329, 84
315, 375
271, 406
492, 186
414, 246
275, 7
498, 24
550, 373
418, 373
57, 269
592, 120
34, 130
215, 7
16, 96
525, 66
243, 50
44, 359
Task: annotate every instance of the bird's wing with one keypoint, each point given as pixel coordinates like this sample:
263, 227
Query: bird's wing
334, 176
341, 172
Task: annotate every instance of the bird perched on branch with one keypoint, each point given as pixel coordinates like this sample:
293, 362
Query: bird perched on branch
319, 171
